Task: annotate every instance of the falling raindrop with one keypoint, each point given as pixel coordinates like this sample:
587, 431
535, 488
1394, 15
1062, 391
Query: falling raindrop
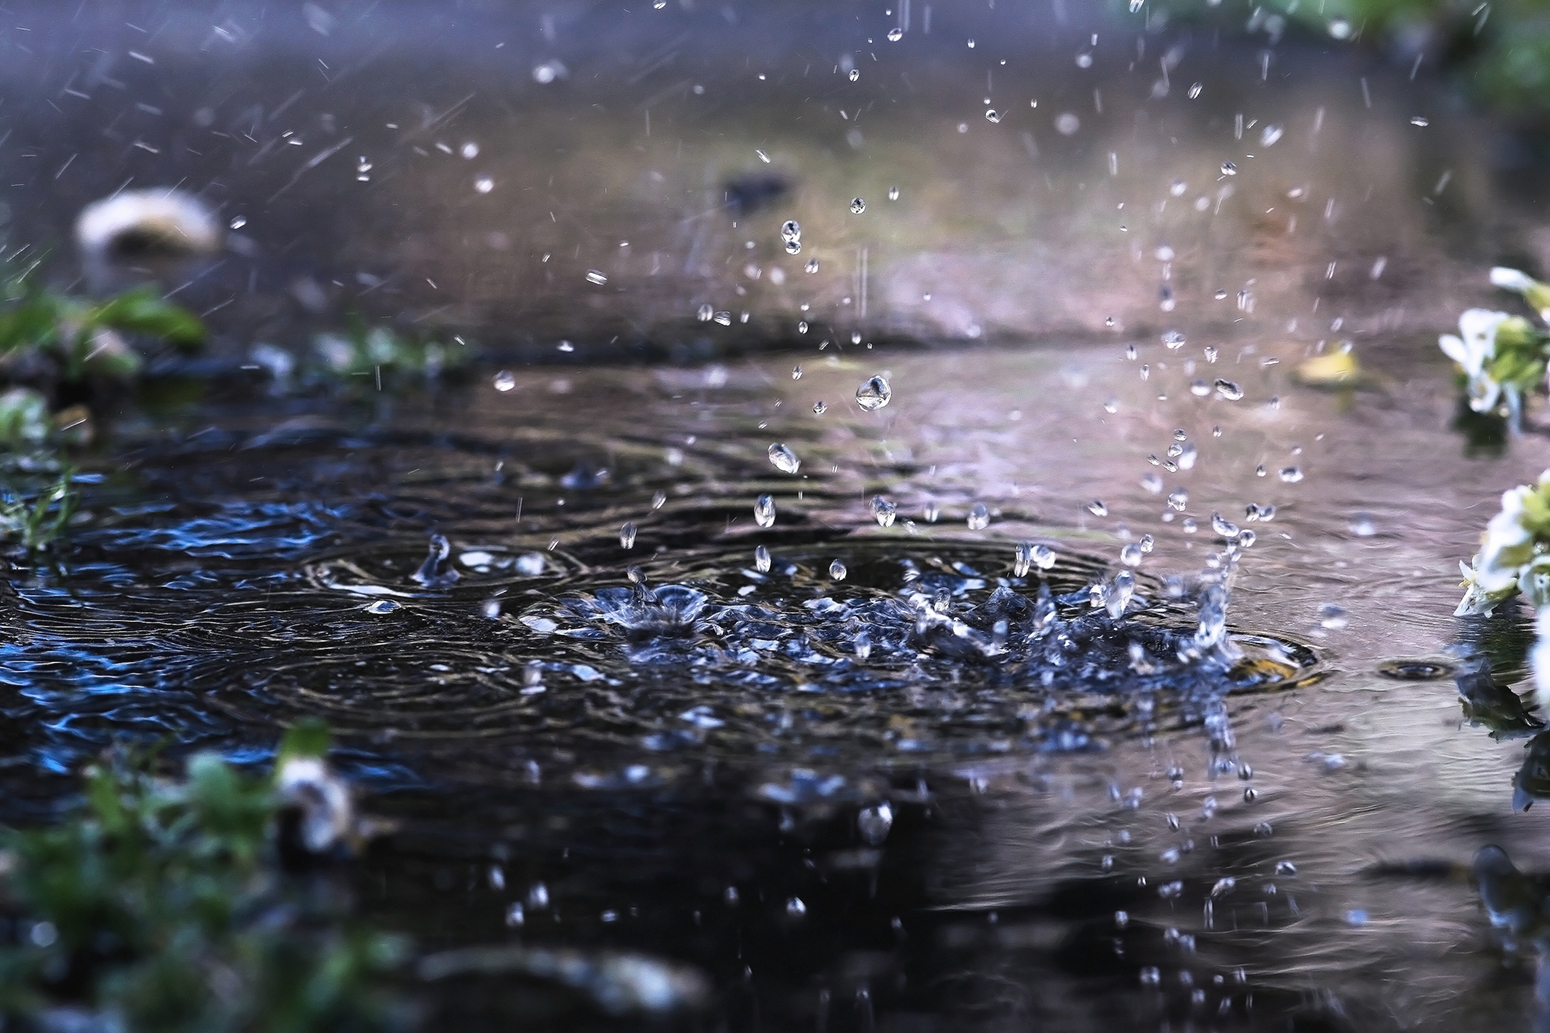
893, 193
793, 247
883, 511
1291, 474
812, 265
992, 116
837, 570
874, 394
723, 318
627, 536
1229, 169
238, 222
796, 371
1224, 527
484, 184
764, 510
470, 150
979, 517
1340, 28
1067, 124
820, 407
1221, 294
1147, 543
1131, 555
783, 458
705, 313
1177, 188
790, 230
857, 206
1421, 121
1024, 559
895, 34
761, 559
1173, 339
1269, 135
1194, 91
1043, 557
1229, 390
855, 73
1097, 508
504, 381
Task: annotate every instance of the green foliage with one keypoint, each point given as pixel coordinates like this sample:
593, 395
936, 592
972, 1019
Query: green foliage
156, 906
35, 523
81, 337
363, 351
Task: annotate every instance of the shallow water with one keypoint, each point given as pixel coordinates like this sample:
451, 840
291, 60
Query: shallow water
251, 560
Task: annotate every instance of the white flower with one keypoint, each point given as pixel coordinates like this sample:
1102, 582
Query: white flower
1539, 659
327, 810
1482, 598
1511, 279
1476, 348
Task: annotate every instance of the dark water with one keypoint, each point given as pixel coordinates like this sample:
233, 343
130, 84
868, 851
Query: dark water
1270, 832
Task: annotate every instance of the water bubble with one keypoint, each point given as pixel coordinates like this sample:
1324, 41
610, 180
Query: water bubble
705, 313
991, 115
790, 230
1229, 169
783, 458
812, 265
857, 206
1174, 339
893, 193
1131, 555
1043, 557
895, 34
837, 570
1097, 508
382, 606
1224, 527
1024, 559
764, 511
883, 511
504, 381
1229, 390
855, 73
484, 184
761, 559
874, 822
1291, 474
1194, 91
820, 407
1067, 124
627, 536
238, 222
796, 371
874, 394
979, 517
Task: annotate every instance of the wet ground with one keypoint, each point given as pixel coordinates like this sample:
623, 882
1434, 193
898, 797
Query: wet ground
932, 787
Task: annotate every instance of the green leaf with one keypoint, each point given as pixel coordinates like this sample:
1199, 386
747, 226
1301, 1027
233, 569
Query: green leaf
308, 738
141, 311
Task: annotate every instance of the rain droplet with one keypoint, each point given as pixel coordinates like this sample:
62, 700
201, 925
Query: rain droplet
992, 116
504, 381
723, 318
1340, 28
627, 536
874, 394
790, 230
1421, 121
1194, 91
812, 265
1291, 474
979, 517
1221, 294
1199, 388
855, 73
1097, 508
1178, 498
1067, 124
761, 559
795, 908
819, 408
238, 222
1224, 527
874, 822
1246, 539
793, 247
1131, 555
382, 606
857, 206
784, 459
658, 499
470, 150
1229, 390
837, 570
1043, 557
883, 511
1177, 188
659, 4
1229, 169
796, 371
764, 510
1024, 559
863, 646
893, 193
484, 184
1084, 60
1269, 135
705, 313
895, 34
1173, 339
